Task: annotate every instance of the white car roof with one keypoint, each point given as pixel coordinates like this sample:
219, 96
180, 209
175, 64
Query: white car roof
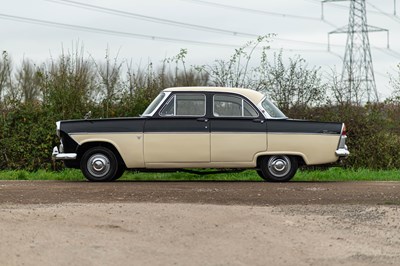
252, 95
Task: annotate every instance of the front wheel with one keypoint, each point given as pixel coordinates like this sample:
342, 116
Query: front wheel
278, 168
99, 164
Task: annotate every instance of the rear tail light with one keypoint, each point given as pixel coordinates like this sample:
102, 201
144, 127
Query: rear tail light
344, 131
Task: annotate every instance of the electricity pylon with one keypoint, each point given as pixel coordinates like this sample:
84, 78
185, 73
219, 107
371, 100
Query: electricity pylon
357, 72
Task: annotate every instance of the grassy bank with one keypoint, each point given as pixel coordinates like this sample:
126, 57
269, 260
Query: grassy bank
332, 174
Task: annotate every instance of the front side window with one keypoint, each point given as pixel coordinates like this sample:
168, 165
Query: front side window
226, 105
185, 104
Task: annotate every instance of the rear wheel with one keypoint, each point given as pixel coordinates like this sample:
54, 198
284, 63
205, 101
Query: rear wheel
99, 164
278, 168
120, 172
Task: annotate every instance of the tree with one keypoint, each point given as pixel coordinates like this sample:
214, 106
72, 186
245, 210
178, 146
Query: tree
109, 81
237, 71
293, 84
67, 85
28, 81
395, 82
5, 74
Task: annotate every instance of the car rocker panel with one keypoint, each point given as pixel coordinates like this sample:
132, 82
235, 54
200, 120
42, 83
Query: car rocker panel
200, 127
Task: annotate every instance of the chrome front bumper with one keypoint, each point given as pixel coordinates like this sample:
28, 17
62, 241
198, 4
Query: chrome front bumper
56, 155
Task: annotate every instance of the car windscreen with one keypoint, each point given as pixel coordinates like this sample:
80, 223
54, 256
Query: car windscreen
152, 107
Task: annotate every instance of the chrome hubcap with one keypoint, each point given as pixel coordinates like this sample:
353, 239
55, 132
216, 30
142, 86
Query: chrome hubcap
279, 166
98, 165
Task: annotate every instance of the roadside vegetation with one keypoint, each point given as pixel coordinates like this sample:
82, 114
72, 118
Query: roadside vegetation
34, 95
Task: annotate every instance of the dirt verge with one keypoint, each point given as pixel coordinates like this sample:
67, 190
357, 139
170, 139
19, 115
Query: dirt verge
199, 223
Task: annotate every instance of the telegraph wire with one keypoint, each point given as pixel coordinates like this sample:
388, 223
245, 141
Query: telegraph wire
169, 22
341, 6
174, 40
389, 52
109, 32
255, 11
126, 34
395, 18
148, 18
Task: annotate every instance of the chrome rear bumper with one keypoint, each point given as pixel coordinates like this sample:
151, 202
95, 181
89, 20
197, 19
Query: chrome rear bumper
342, 152
56, 155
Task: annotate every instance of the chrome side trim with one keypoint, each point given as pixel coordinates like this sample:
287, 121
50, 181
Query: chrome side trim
104, 133
56, 155
302, 133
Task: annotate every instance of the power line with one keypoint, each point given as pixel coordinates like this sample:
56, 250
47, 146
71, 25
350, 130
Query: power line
126, 34
170, 22
255, 11
389, 52
149, 18
338, 6
160, 38
109, 32
187, 25
395, 18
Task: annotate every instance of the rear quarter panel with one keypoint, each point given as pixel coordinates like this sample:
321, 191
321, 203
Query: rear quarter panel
315, 142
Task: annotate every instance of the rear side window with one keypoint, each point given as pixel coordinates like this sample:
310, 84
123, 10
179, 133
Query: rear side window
185, 104
226, 105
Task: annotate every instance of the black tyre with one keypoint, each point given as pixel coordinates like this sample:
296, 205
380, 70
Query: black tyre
120, 172
278, 168
99, 164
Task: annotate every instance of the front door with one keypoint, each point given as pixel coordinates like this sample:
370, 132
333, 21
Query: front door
179, 132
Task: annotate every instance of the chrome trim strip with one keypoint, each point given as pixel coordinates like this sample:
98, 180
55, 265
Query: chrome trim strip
56, 155
103, 133
303, 133
199, 132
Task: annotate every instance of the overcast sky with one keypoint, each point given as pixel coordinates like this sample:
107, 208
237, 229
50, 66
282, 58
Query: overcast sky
297, 24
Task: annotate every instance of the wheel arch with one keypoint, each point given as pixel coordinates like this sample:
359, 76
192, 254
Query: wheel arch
88, 145
298, 157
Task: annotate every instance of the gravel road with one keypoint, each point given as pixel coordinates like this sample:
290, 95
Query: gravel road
199, 223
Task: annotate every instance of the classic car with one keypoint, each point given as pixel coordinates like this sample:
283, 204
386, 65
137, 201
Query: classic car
200, 127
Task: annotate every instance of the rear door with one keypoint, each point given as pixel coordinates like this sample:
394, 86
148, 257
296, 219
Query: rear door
238, 129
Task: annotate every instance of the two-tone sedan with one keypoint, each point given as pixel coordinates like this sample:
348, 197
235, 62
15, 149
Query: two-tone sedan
200, 127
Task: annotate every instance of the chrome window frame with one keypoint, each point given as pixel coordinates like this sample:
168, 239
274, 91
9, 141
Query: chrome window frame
174, 99
243, 100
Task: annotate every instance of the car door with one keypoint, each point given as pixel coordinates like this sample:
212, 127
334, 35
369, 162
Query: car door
238, 129
179, 132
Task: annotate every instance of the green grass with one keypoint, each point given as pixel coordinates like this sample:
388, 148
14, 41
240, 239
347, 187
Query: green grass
332, 174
